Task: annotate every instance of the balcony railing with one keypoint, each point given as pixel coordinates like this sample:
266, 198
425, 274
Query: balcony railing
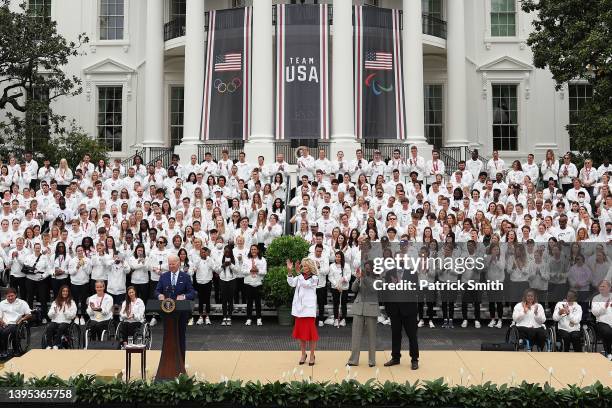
434, 26
215, 148
289, 148
431, 25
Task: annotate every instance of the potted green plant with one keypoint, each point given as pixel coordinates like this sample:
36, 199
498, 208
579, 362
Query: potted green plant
277, 291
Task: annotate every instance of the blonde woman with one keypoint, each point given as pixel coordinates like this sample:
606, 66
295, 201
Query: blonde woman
63, 175
304, 306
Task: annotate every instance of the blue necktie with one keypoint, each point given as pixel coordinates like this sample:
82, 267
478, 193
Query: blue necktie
174, 279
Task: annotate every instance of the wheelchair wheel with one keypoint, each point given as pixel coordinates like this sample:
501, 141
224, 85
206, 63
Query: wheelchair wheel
43, 340
111, 331
22, 339
589, 338
74, 336
551, 339
118, 332
147, 336
512, 337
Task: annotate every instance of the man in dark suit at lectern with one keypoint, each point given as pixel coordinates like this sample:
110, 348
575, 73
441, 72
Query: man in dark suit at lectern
176, 285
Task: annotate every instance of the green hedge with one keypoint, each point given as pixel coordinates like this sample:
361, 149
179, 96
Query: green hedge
286, 247
188, 391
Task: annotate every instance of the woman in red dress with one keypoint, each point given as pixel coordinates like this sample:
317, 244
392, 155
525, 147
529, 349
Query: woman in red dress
304, 307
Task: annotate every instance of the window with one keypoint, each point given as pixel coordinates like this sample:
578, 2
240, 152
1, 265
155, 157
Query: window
111, 19
432, 8
503, 18
505, 117
304, 2
240, 3
579, 95
41, 9
38, 115
375, 3
110, 116
177, 98
178, 9
434, 118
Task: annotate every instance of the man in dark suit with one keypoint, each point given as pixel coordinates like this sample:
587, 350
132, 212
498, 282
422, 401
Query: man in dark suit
176, 285
402, 311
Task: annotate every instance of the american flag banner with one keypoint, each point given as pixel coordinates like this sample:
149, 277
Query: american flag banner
379, 61
228, 62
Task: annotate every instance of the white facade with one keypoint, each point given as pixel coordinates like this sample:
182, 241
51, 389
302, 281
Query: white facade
468, 65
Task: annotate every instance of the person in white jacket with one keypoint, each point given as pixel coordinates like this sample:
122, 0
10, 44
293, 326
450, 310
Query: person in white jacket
228, 272
62, 311
339, 278
568, 314
158, 264
101, 262
100, 311
79, 269
205, 266
304, 305
601, 307
140, 271
321, 261
131, 314
254, 269
529, 317
38, 282
116, 284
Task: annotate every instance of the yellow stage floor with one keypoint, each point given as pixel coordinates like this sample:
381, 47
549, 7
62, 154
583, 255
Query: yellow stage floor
457, 367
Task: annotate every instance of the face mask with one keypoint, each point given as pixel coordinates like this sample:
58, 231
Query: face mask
581, 200
219, 246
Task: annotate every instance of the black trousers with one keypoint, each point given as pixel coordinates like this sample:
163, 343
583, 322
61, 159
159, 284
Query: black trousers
340, 298
128, 329
321, 302
216, 286
253, 295
227, 297
240, 291
604, 331
204, 296
536, 336
142, 290
56, 284
96, 328
118, 299
448, 310
409, 325
79, 294
496, 307
570, 338
20, 285
4, 335
40, 291
55, 331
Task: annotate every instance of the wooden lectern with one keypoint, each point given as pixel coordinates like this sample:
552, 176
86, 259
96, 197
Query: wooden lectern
171, 363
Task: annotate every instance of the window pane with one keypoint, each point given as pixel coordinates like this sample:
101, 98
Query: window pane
176, 114
434, 116
110, 116
111, 19
505, 117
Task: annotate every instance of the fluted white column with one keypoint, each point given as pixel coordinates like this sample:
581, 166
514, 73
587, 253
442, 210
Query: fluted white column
262, 85
456, 133
154, 75
194, 70
412, 38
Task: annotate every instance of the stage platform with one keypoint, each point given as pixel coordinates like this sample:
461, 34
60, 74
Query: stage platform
456, 367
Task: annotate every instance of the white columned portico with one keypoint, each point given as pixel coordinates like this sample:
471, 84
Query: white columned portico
154, 76
343, 98
261, 140
195, 36
456, 133
412, 48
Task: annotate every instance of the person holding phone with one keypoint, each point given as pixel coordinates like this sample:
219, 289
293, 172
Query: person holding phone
254, 270
227, 276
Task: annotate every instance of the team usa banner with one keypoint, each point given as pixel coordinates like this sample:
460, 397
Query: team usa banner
226, 105
302, 65
379, 98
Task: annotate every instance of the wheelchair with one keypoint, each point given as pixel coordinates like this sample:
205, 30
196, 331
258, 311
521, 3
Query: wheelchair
71, 340
19, 342
108, 334
143, 332
588, 338
513, 336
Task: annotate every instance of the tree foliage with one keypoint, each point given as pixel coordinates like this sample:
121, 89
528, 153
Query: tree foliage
572, 39
32, 60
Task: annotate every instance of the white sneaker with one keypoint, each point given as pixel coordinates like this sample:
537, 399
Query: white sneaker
499, 324
55, 348
329, 321
387, 322
336, 323
610, 357
431, 324
492, 323
48, 348
224, 322
153, 322
81, 321
477, 324
321, 324
421, 323
248, 322
229, 321
207, 321
190, 322
464, 324
259, 322
342, 323
200, 321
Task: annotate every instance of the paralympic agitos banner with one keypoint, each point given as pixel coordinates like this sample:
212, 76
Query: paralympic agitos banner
302, 106
226, 104
379, 94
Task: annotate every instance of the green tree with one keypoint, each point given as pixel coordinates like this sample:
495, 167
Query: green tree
572, 39
32, 60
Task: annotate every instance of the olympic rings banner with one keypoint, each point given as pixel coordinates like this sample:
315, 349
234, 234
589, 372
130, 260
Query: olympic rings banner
379, 98
302, 65
226, 105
